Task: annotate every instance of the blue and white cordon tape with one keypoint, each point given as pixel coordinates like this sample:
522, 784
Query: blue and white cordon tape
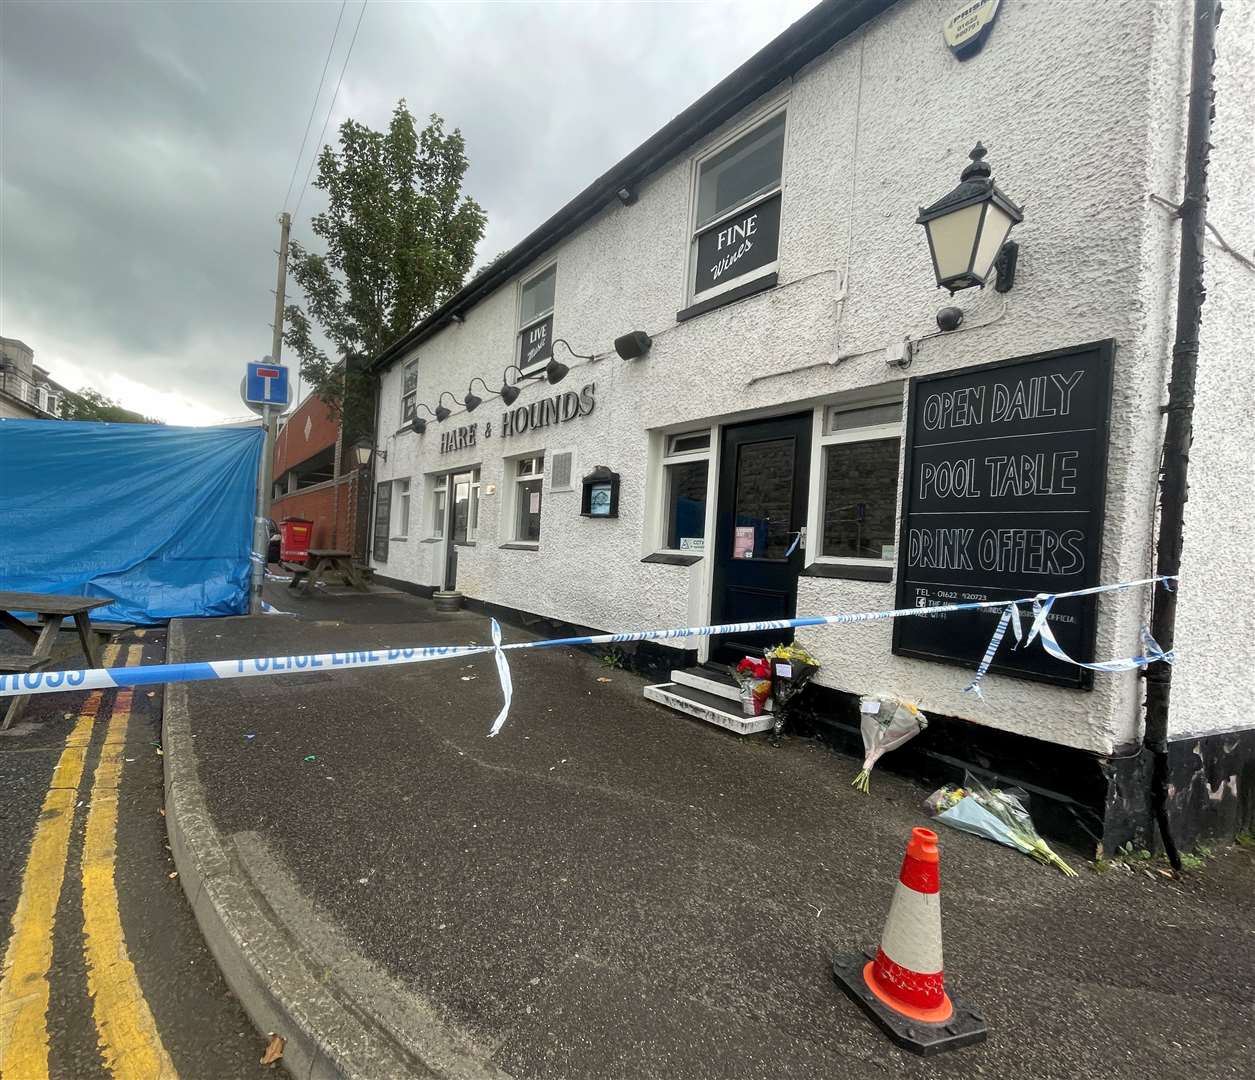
51, 682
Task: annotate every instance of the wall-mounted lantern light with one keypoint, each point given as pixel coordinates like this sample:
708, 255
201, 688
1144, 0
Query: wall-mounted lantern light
509, 391
633, 344
967, 230
363, 448
556, 372
474, 401
418, 425
442, 414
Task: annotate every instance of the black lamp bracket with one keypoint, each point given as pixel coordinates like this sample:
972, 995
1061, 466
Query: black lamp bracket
579, 356
1004, 266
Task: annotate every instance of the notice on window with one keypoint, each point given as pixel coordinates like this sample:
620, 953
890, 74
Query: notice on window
743, 542
533, 502
692, 543
1004, 497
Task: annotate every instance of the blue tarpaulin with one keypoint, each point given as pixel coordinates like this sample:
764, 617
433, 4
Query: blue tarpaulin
157, 519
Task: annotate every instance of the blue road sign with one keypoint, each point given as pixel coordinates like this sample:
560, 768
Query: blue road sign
266, 384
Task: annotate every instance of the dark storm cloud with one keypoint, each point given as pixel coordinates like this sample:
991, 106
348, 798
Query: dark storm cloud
146, 149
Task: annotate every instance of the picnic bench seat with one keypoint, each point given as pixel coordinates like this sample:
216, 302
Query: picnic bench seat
324, 561
43, 636
16, 663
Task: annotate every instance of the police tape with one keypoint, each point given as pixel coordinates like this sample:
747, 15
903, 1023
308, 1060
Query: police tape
51, 682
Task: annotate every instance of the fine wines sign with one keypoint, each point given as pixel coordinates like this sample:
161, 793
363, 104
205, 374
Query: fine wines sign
738, 245
1003, 497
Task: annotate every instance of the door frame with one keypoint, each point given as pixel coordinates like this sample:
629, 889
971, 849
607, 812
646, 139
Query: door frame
807, 442
448, 556
705, 599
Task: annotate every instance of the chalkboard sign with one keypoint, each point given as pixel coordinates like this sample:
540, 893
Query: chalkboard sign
1005, 481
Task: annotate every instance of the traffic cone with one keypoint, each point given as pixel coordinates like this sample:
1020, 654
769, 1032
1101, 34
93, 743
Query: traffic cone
903, 987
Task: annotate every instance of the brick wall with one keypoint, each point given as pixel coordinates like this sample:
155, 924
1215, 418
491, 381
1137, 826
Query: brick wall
309, 429
334, 526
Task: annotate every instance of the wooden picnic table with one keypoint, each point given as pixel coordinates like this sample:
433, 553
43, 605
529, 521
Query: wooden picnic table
51, 611
324, 561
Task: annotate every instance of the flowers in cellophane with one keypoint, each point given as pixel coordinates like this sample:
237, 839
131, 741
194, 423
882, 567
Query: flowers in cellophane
887, 722
753, 676
995, 814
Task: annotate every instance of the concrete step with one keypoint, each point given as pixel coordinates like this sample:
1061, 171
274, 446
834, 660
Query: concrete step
709, 707
711, 681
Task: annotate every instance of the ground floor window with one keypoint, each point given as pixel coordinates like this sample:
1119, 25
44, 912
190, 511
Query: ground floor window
686, 474
528, 479
439, 506
860, 481
465, 506
401, 509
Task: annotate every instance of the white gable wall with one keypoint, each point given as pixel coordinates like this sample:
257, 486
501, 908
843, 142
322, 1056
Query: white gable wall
1064, 99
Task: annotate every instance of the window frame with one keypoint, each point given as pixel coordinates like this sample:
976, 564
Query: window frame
823, 441
409, 398
516, 480
399, 526
760, 119
682, 457
522, 327
472, 505
439, 506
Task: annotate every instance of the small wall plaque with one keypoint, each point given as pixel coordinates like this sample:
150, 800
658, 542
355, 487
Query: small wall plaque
968, 28
600, 497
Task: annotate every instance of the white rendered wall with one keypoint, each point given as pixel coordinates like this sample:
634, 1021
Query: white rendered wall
1213, 684
1064, 100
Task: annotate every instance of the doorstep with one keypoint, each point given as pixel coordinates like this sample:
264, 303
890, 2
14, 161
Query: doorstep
714, 708
713, 681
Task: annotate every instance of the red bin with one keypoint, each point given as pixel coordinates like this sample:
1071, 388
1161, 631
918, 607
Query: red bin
294, 537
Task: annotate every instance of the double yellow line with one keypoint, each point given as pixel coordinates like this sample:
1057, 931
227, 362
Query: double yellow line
128, 1038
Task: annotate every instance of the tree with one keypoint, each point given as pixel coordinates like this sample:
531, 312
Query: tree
87, 404
400, 238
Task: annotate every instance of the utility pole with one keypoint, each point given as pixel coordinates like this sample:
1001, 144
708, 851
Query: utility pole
1173, 475
270, 420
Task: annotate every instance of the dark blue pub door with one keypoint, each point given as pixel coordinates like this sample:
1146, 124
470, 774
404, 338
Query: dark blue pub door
764, 472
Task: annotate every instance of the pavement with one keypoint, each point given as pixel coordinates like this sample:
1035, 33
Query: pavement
608, 889
105, 972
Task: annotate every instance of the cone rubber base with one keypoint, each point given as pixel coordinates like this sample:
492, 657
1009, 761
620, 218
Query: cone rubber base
964, 1027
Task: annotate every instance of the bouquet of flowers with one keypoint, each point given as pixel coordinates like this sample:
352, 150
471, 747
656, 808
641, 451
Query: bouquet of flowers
792, 667
887, 723
753, 676
995, 814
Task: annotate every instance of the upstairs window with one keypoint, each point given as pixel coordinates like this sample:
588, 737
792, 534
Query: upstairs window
536, 319
736, 222
409, 392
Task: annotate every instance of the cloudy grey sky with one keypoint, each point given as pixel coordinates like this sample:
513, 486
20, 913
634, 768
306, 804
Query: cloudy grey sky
145, 149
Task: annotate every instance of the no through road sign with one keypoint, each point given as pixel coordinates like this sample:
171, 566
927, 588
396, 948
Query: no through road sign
266, 384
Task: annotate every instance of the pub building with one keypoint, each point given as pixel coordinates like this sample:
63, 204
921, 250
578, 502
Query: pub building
723, 384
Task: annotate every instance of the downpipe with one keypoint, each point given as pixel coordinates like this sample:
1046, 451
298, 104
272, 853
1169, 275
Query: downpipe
1178, 433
